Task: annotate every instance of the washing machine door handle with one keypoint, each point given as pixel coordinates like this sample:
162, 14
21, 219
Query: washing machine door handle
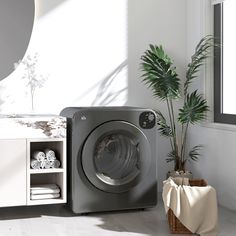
115, 156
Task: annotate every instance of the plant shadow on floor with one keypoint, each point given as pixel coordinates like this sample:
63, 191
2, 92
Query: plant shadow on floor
25, 212
149, 222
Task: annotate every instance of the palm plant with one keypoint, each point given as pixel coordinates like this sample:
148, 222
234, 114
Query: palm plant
160, 75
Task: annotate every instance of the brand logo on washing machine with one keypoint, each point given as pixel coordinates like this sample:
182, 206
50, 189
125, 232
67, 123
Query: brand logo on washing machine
83, 118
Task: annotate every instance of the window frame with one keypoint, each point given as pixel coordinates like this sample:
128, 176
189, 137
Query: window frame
219, 116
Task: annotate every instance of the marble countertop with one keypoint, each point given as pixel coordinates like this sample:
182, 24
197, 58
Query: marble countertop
14, 126
27, 115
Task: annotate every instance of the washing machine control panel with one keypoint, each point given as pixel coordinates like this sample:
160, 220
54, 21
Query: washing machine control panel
147, 120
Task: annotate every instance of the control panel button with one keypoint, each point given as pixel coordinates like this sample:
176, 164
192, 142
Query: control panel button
147, 120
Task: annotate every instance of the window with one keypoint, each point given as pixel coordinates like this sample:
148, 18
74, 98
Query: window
224, 63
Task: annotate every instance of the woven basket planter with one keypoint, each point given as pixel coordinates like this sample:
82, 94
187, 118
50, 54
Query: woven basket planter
176, 227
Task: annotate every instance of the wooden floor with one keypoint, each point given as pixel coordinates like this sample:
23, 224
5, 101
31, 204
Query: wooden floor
59, 221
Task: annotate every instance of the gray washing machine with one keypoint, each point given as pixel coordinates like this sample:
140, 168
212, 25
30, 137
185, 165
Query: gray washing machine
111, 158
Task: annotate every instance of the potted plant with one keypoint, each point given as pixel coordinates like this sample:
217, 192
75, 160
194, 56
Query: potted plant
160, 75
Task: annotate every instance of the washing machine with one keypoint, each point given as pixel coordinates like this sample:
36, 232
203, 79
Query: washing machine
111, 158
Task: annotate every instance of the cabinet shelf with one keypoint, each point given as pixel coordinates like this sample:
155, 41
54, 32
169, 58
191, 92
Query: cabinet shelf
46, 201
44, 171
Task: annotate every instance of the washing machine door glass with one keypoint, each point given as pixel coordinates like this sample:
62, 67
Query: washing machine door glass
115, 156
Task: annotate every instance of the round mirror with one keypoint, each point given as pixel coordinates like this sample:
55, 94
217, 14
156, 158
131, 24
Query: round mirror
16, 24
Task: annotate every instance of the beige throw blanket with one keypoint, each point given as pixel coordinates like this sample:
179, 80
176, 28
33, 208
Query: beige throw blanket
195, 207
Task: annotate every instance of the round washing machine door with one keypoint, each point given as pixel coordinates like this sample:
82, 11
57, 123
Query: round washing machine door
116, 156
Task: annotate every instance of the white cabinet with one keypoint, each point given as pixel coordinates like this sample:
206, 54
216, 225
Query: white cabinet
12, 172
20, 136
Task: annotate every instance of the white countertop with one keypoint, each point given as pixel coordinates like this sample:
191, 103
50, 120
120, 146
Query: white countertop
14, 126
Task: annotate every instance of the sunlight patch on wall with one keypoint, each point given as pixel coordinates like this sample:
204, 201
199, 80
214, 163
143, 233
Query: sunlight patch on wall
82, 48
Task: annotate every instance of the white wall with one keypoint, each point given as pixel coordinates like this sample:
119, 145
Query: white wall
218, 161
82, 48
90, 52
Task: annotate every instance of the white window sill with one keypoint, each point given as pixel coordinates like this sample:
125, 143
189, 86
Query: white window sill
219, 126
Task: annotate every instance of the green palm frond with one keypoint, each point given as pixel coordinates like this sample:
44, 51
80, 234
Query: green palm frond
164, 128
194, 153
159, 74
171, 156
194, 109
202, 52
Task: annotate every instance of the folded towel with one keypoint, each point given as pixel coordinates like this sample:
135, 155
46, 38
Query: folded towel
50, 154
44, 191
44, 186
44, 196
39, 156
55, 164
35, 164
195, 207
45, 164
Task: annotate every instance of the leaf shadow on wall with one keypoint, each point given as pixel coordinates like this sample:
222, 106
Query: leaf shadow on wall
106, 89
104, 95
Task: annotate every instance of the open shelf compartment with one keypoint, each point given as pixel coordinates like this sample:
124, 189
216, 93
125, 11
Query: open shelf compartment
55, 145
47, 176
